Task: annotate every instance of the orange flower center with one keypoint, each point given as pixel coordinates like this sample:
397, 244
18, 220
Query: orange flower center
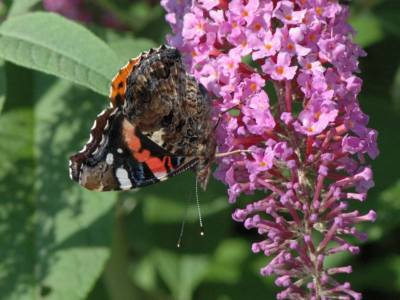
200, 26
268, 46
289, 17
257, 26
279, 70
253, 86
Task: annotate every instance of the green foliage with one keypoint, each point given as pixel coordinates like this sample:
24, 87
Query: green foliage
3, 89
388, 12
368, 29
17, 205
73, 232
49, 43
19, 7
62, 242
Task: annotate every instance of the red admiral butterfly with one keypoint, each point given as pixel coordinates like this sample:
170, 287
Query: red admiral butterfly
157, 126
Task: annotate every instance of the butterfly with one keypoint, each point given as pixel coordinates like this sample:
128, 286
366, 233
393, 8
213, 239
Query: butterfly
158, 125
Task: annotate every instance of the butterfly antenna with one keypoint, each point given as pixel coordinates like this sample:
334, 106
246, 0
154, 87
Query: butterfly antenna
198, 208
179, 242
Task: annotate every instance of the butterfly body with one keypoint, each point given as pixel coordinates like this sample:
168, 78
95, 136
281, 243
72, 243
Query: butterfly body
158, 125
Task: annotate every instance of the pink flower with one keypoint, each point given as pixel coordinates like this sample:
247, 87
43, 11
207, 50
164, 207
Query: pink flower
316, 116
209, 4
257, 115
244, 12
285, 12
291, 42
262, 161
194, 25
280, 70
307, 150
266, 46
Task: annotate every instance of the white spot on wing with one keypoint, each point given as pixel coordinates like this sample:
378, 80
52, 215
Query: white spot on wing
113, 112
161, 176
157, 137
83, 149
119, 150
103, 139
94, 125
107, 125
70, 170
101, 113
95, 151
109, 159
123, 179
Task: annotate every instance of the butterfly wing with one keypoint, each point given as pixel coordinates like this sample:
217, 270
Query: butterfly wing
119, 156
158, 125
118, 83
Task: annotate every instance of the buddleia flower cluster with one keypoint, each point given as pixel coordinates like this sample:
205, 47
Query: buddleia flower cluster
285, 72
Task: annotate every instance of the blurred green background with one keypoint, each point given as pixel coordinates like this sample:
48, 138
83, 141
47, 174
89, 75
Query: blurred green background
58, 241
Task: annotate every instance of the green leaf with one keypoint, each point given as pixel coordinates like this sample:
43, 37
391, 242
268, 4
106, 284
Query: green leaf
54, 45
55, 236
128, 48
21, 97
17, 255
182, 274
388, 13
73, 225
368, 29
388, 211
379, 274
3, 85
228, 259
396, 90
19, 7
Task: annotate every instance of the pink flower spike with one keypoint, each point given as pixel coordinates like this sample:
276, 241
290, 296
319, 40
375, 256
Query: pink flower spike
306, 146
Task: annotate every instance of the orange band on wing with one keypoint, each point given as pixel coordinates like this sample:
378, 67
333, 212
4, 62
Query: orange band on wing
142, 156
118, 84
158, 166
